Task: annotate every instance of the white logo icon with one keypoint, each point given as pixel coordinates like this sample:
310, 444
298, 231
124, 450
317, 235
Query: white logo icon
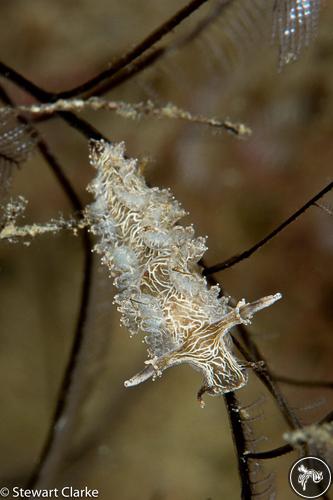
306, 474
310, 477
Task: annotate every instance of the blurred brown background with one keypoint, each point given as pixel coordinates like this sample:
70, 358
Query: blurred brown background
154, 441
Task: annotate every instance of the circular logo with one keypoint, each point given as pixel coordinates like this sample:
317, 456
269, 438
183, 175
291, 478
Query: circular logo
310, 477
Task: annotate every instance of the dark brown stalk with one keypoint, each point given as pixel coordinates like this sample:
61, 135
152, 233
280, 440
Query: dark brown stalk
254, 356
269, 454
43, 96
84, 301
156, 54
282, 450
239, 439
304, 383
250, 251
137, 51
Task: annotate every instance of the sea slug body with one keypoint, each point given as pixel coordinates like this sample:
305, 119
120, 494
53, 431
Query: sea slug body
154, 263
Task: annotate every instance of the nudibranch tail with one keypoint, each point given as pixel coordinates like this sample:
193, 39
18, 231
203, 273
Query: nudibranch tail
154, 263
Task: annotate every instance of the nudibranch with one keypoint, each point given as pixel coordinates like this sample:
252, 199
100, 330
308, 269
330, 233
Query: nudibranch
154, 263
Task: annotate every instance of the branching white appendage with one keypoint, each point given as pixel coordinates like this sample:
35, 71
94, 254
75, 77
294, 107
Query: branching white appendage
154, 263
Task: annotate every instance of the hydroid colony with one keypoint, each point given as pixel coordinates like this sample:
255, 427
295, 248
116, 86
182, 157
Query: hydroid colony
154, 263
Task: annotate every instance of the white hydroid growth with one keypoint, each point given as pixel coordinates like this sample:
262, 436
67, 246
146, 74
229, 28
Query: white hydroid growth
154, 263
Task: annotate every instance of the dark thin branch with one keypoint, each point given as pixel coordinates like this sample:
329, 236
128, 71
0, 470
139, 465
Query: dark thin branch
276, 452
44, 96
25, 84
48, 156
250, 251
137, 51
61, 178
62, 400
233, 409
282, 450
259, 364
252, 354
304, 383
156, 54
82, 126
130, 71
84, 301
127, 73
34, 90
